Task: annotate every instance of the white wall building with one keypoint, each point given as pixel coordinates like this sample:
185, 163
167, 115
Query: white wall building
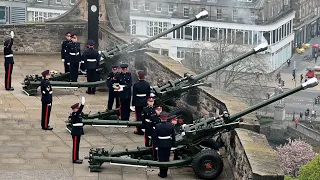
279, 33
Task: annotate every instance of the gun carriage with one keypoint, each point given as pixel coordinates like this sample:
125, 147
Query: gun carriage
191, 144
164, 95
108, 58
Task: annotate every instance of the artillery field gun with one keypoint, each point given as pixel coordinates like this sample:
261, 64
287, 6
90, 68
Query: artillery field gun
173, 89
205, 160
108, 58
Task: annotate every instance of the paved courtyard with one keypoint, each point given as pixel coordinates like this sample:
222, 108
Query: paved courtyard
29, 153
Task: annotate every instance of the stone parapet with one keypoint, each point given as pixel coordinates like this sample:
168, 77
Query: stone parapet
251, 156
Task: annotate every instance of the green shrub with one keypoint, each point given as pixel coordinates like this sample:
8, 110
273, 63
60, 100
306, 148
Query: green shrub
310, 171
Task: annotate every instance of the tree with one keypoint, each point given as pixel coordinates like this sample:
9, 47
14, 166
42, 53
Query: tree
245, 78
310, 171
293, 155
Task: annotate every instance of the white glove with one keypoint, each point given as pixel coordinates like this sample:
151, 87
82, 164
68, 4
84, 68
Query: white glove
156, 148
143, 130
62, 60
83, 100
133, 108
12, 34
68, 63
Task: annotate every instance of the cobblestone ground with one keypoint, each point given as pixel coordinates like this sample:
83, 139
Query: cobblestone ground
29, 153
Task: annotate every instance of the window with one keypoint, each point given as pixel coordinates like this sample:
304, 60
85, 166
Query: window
72, 2
252, 15
234, 15
170, 8
58, 1
134, 4
180, 54
154, 28
165, 52
133, 27
219, 14
158, 8
186, 12
147, 6
202, 9
39, 0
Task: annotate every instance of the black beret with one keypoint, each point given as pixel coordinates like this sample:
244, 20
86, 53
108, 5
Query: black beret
124, 65
91, 42
75, 106
141, 73
46, 72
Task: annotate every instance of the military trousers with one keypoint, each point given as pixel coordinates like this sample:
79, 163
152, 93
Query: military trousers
8, 75
74, 71
45, 115
125, 108
75, 147
91, 77
164, 156
66, 67
138, 113
113, 96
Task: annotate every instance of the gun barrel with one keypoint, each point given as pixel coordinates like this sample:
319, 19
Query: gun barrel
111, 122
71, 84
259, 48
201, 15
310, 83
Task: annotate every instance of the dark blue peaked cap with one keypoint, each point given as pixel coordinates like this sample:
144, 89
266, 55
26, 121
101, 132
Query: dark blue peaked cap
124, 65
46, 72
91, 42
75, 106
141, 73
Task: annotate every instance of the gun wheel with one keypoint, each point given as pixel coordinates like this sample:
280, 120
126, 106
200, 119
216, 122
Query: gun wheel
207, 164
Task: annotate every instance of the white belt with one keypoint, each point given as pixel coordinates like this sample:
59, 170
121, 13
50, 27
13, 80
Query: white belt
74, 54
91, 60
77, 124
10, 55
148, 120
141, 95
164, 137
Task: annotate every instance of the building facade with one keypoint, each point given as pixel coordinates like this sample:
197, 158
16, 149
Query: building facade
40, 10
13, 12
306, 22
247, 22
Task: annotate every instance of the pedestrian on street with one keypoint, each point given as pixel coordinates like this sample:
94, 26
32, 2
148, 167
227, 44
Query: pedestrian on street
124, 80
301, 115
64, 51
315, 58
164, 139
77, 130
289, 62
140, 94
294, 75
8, 62
297, 122
113, 95
91, 58
46, 99
301, 78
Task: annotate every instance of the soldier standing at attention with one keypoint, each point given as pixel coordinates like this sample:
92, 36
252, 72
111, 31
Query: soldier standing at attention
64, 50
177, 129
140, 94
163, 139
73, 58
77, 130
155, 119
91, 60
46, 91
146, 114
124, 88
112, 93
8, 62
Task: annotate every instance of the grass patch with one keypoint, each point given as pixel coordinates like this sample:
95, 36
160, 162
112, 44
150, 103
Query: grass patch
265, 120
